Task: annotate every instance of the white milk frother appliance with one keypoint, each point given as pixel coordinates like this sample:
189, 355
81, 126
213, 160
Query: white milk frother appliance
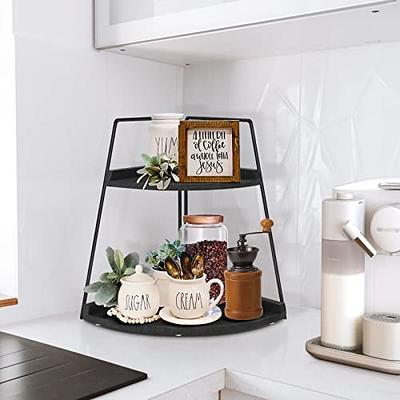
366, 214
343, 266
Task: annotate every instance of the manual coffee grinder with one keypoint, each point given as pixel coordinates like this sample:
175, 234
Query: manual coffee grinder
243, 279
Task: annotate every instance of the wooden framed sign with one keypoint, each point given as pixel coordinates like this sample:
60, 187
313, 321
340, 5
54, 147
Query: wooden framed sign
209, 151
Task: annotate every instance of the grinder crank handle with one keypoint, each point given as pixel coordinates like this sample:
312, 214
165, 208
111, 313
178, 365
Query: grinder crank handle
266, 225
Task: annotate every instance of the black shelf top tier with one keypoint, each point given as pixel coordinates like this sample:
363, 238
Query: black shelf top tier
127, 177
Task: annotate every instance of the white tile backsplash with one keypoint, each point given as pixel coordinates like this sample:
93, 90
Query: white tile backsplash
322, 119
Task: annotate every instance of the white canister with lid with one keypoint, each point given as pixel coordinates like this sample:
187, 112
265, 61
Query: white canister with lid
381, 336
138, 296
164, 134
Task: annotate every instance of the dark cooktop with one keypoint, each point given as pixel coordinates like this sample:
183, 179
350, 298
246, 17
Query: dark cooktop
31, 370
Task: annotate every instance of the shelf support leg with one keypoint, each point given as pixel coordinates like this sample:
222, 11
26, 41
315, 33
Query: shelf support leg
266, 212
179, 209
262, 189
185, 202
99, 213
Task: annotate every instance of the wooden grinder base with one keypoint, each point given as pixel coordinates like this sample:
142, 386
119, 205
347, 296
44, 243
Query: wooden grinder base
243, 295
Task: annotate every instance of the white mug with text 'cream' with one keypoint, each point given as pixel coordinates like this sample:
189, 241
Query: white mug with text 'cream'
189, 299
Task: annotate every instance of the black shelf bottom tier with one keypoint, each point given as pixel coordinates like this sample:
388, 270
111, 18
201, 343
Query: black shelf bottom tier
274, 311
127, 177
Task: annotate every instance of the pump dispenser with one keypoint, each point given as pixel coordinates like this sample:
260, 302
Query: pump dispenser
343, 266
243, 279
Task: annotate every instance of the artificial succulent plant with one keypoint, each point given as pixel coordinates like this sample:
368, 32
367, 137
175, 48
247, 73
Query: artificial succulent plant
168, 249
158, 171
106, 289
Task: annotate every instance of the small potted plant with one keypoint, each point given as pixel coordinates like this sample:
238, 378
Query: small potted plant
106, 289
158, 171
156, 258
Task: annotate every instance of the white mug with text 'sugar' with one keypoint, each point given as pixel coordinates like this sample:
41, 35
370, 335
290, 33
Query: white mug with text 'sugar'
189, 299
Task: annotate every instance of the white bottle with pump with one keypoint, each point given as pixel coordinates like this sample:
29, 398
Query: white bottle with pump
343, 265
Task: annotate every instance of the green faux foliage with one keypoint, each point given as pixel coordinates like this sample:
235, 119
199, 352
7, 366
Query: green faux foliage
158, 171
106, 289
168, 249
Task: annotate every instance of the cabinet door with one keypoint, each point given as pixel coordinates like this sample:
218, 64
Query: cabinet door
122, 22
227, 394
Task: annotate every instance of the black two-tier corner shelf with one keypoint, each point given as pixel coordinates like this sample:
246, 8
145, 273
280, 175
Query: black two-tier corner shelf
274, 310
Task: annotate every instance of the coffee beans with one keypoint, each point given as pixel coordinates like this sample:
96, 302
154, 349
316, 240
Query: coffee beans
214, 252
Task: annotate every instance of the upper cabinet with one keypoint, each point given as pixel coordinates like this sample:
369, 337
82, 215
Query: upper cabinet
195, 31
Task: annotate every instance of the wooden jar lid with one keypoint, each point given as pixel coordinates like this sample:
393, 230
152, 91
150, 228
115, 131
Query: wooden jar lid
203, 219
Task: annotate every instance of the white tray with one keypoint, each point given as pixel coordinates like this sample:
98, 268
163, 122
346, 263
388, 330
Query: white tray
354, 358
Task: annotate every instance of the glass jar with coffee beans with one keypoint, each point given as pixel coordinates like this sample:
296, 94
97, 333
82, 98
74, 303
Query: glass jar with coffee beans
207, 235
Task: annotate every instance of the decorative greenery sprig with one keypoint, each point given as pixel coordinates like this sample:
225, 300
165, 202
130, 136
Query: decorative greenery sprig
168, 249
106, 289
160, 171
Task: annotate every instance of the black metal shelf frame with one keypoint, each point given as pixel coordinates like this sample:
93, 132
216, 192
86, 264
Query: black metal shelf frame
126, 178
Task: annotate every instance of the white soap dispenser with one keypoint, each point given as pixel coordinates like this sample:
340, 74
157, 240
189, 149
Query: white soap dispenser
342, 278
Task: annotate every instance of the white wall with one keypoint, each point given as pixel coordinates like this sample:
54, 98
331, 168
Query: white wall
8, 155
322, 119
67, 97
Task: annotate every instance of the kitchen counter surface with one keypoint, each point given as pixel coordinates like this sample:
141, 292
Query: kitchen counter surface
275, 353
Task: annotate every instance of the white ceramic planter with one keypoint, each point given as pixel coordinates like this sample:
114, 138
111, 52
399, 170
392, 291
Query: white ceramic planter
162, 283
138, 296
